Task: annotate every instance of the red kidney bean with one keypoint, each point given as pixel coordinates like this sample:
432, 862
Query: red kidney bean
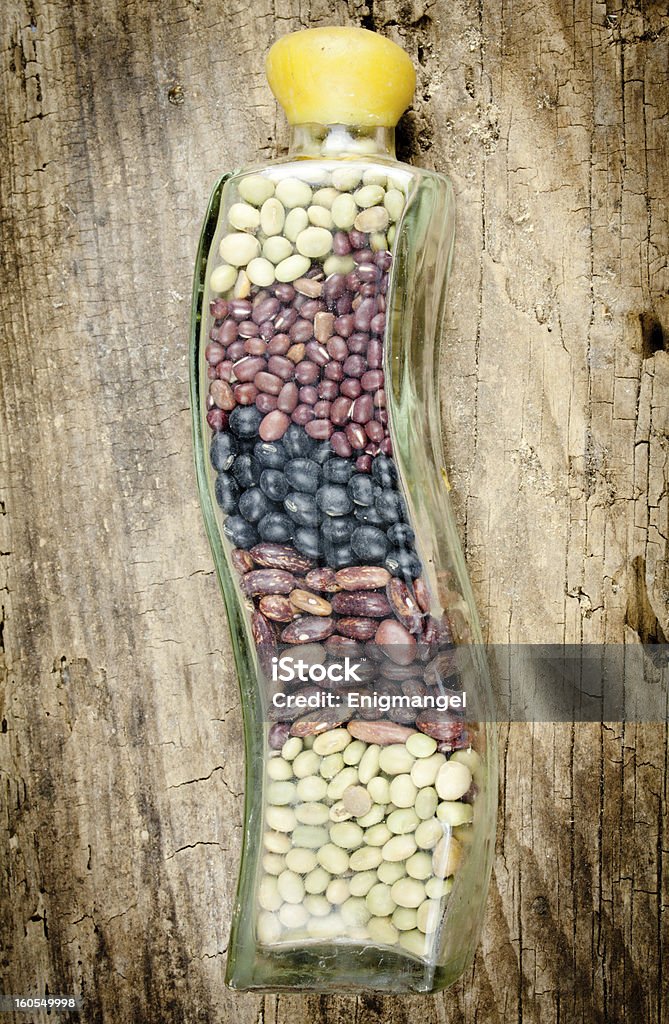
358, 239
386, 446
274, 426
246, 368
284, 292
372, 380
279, 345
337, 348
308, 395
320, 430
221, 392
211, 373
381, 303
306, 372
422, 594
355, 436
299, 301
372, 449
309, 287
240, 309
344, 304
355, 366
267, 330
363, 463
340, 445
255, 347
343, 325
369, 273
322, 410
217, 419
357, 344
301, 331
278, 734
328, 390
224, 370
363, 255
228, 333
383, 259
334, 371
382, 417
295, 353
268, 382
266, 403
340, 244
317, 353
378, 324
352, 281
351, 388
367, 291
287, 400
265, 310
236, 350
218, 309
214, 353
374, 431
281, 366
302, 415
341, 411
247, 329
285, 319
245, 394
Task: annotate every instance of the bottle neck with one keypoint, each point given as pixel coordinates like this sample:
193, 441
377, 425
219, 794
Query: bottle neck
332, 140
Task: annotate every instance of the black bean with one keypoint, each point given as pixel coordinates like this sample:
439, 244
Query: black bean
270, 454
370, 544
245, 420
361, 489
241, 533
339, 556
338, 528
246, 470
338, 471
384, 471
222, 450
227, 492
253, 505
333, 499
403, 563
369, 515
276, 527
307, 540
390, 506
400, 535
321, 453
273, 483
297, 443
302, 508
303, 475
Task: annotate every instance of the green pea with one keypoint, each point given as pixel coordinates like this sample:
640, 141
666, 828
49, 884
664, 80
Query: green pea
279, 769
332, 742
362, 882
454, 813
334, 859
395, 759
311, 836
331, 765
317, 880
268, 928
428, 916
352, 754
389, 871
306, 763
421, 745
281, 793
354, 912
301, 860
369, 764
403, 792
404, 918
419, 866
402, 821
382, 930
313, 787
338, 891
311, 813
268, 893
426, 803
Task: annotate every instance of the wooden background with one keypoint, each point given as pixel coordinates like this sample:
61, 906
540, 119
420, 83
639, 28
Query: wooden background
120, 736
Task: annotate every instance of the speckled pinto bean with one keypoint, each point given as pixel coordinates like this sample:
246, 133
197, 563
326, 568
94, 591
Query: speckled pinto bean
365, 817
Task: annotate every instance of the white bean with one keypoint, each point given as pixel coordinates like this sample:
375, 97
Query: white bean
379, 900
223, 278
419, 865
243, 216
291, 887
272, 217
405, 918
382, 930
390, 870
317, 881
238, 248
301, 860
282, 819
269, 928
366, 858
311, 836
414, 942
346, 834
426, 803
428, 916
255, 189
291, 268
378, 835
333, 859
352, 754
317, 905
273, 863
261, 272
320, 217
354, 912
311, 813
394, 203
306, 763
276, 249
277, 842
346, 178
293, 916
297, 220
407, 892
453, 780
291, 748
402, 821
421, 745
362, 882
331, 765
379, 790
292, 192
344, 211
279, 769
429, 833
373, 817
399, 848
281, 793
369, 195
454, 813
338, 891
375, 176
268, 893
341, 782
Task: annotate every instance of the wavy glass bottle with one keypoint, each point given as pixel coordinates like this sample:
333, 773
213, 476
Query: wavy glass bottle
371, 790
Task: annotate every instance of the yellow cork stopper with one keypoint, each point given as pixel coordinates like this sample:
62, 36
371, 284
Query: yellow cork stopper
340, 76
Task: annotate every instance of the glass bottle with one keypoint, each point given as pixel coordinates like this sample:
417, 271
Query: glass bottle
370, 804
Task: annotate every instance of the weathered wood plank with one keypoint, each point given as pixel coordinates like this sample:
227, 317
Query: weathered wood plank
120, 739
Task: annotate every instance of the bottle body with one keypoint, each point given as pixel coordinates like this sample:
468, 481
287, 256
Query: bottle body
370, 769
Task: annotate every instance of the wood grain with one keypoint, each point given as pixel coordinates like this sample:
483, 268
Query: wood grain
120, 737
